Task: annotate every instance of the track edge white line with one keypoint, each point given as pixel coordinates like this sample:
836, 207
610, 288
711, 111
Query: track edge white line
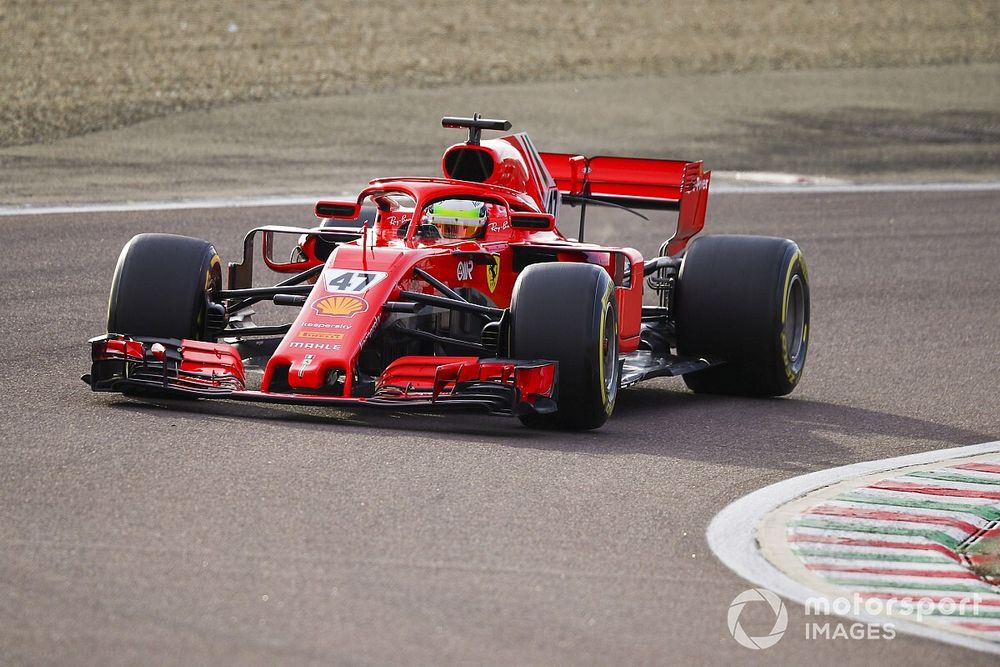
307, 200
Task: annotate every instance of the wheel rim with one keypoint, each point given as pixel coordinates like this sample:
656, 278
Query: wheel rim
213, 284
609, 355
795, 323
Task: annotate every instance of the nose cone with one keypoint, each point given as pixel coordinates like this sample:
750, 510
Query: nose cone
323, 343
318, 353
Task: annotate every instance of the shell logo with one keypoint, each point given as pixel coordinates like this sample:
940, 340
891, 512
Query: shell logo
340, 306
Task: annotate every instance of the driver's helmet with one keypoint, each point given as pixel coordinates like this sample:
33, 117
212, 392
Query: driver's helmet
458, 218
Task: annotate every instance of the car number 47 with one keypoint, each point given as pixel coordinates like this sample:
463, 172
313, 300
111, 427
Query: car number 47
349, 281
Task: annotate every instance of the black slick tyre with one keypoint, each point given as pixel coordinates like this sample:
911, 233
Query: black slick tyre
162, 287
567, 312
744, 299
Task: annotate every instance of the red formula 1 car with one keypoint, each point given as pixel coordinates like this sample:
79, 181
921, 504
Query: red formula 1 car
461, 292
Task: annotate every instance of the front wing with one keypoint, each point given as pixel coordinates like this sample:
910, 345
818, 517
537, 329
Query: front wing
196, 369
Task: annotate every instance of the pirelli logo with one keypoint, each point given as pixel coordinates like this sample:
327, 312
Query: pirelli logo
320, 335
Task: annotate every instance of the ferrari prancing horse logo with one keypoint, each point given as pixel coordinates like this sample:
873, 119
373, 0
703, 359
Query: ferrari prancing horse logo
493, 272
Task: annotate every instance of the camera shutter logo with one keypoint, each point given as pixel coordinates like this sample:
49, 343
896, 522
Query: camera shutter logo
780, 618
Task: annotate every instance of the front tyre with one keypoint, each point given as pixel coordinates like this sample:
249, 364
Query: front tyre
744, 299
567, 312
163, 286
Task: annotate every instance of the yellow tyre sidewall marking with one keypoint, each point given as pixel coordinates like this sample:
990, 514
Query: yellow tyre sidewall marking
786, 292
605, 300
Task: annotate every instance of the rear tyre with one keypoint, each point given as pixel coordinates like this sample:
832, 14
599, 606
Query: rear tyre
567, 312
744, 299
162, 287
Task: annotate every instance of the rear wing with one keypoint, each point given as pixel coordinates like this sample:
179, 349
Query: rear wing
644, 183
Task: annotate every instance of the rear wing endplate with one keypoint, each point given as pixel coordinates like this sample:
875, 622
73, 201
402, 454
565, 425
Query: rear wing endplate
644, 183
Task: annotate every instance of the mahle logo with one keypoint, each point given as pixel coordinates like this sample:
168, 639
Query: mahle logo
780, 618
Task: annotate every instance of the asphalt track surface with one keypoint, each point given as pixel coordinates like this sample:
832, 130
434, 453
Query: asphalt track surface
177, 533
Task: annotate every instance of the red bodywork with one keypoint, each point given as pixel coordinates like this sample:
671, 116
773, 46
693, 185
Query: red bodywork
341, 314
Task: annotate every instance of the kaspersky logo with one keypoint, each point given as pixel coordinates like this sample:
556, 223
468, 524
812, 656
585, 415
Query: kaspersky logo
340, 306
